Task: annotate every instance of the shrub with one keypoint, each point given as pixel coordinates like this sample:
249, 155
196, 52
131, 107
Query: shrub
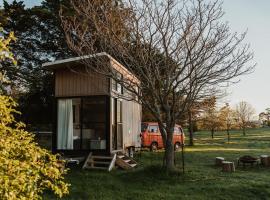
26, 170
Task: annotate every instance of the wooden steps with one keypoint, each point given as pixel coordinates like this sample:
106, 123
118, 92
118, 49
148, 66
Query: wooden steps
125, 162
100, 162
109, 162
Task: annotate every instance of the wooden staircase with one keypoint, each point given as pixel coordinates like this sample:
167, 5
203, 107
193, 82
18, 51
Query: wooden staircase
100, 162
125, 162
109, 162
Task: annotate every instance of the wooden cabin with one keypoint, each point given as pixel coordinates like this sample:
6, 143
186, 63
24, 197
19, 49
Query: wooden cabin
90, 116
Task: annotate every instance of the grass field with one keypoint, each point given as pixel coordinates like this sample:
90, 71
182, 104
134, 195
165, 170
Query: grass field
202, 179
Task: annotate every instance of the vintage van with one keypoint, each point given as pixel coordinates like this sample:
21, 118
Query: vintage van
151, 136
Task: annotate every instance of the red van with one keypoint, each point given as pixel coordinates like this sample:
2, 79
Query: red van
151, 136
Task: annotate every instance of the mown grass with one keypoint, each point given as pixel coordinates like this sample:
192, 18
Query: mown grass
202, 180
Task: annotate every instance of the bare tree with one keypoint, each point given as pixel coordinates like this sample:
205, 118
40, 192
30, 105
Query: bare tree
180, 51
210, 118
244, 113
227, 116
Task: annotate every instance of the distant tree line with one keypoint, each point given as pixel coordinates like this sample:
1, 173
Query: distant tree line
265, 117
226, 118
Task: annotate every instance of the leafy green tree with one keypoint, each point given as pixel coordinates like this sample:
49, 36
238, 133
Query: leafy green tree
40, 39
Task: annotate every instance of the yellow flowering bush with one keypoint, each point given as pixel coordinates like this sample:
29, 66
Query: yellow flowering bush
5, 53
26, 170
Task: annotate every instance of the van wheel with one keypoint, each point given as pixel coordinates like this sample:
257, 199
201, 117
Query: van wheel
154, 146
177, 146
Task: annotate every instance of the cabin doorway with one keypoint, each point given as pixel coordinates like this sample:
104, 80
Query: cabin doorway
117, 124
82, 123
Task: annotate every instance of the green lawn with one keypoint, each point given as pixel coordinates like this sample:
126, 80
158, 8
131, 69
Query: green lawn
202, 179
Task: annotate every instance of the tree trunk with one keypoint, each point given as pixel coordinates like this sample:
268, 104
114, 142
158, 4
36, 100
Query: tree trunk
212, 133
183, 158
228, 134
191, 143
244, 130
167, 137
169, 156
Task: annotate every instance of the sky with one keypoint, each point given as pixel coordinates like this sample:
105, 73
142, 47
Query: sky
253, 16
28, 3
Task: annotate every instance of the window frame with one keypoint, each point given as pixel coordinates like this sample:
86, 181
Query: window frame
107, 125
115, 85
149, 129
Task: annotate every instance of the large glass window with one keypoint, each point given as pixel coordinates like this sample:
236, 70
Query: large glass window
81, 123
76, 104
94, 123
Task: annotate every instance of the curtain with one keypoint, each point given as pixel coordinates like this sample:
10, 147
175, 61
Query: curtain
65, 124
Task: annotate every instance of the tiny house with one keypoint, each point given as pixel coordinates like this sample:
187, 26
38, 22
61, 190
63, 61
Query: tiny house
89, 115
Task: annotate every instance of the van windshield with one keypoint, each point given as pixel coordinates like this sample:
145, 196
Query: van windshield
144, 127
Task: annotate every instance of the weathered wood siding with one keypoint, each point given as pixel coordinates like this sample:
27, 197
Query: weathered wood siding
131, 123
132, 111
79, 83
128, 76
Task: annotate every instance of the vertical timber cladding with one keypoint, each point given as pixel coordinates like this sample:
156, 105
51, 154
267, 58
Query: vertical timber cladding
77, 81
131, 113
131, 123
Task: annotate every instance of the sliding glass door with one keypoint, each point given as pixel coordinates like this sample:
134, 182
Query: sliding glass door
76, 109
81, 123
94, 123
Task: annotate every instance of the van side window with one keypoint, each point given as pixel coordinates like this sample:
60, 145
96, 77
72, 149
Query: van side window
153, 129
177, 130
